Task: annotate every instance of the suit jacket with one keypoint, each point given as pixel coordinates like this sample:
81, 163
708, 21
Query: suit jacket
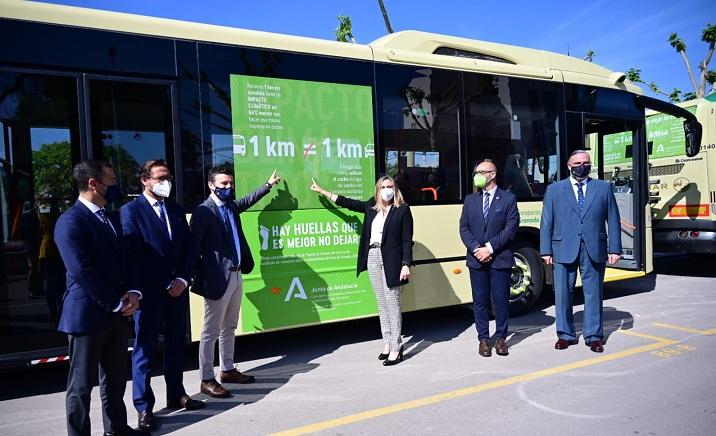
157, 259
97, 272
562, 228
212, 244
499, 229
397, 243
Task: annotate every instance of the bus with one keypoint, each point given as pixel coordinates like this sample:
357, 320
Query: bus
78, 83
683, 189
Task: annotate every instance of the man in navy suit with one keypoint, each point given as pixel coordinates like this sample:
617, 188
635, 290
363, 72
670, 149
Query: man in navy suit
101, 294
488, 225
580, 230
222, 256
157, 235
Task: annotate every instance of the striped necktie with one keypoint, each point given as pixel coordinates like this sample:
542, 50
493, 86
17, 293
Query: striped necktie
103, 215
486, 204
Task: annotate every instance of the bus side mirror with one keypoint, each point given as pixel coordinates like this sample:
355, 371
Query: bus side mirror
692, 133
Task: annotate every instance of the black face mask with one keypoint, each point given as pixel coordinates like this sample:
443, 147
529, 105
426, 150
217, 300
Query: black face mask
112, 194
581, 171
224, 194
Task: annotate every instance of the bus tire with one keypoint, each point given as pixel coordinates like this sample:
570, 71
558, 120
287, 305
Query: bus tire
526, 281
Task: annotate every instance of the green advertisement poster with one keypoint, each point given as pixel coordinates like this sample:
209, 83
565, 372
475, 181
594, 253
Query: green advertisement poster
304, 246
667, 134
615, 148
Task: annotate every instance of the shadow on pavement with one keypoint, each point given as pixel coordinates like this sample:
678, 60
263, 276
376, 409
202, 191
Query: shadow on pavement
694, 265
522, 327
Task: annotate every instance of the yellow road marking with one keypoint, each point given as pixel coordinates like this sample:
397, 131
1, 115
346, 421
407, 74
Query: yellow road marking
685, 329
650, 337
420, 402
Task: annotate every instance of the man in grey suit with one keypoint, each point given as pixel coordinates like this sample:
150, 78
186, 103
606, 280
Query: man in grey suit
223, 255
580, 230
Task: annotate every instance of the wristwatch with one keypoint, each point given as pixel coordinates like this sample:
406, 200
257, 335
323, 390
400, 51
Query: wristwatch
268, 184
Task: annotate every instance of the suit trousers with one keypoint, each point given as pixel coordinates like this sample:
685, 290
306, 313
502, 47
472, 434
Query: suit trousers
565, 277
490, 284
100, 354
161, 313
221, 317
388, 300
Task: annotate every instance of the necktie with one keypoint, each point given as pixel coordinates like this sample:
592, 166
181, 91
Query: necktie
163, 216
230, 234
486, 204
103, 215
580, 196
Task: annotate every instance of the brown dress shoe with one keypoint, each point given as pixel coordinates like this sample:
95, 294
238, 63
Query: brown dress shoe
563, 344
213, 389
484, 349
596, 346
185, 402
234, 376
501, 347
145, 421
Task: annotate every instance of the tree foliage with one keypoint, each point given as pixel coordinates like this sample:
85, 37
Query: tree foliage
705, 76
344, 31
52, 170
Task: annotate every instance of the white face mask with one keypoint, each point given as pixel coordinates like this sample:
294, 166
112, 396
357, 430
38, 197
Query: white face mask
387, 194
163, 188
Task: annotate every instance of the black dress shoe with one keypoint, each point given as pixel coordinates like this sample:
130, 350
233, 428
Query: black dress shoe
596, 346
388, 362
563, 344
185, 402
145, 421
382, 356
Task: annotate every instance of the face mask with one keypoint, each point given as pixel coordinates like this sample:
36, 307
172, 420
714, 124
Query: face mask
479, 180
387, 194
581, 171
112, 194
224, 194
162, 188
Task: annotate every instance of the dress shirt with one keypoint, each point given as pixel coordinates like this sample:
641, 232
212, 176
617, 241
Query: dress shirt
489, 205
376, 227
573, 182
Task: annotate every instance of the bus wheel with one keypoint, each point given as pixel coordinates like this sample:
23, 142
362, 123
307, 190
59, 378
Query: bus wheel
526, 280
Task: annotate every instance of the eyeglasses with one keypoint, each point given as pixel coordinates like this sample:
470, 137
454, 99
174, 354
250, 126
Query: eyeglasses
482, 173
167, 178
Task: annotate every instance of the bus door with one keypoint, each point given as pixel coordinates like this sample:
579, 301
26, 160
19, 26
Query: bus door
40, 140
128, 123
48, 122
618, 155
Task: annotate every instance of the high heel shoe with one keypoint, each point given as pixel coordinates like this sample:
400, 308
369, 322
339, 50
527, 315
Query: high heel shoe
383, 356
388, 362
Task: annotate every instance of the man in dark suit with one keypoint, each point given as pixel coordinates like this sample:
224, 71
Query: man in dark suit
573, 236
157, 235
488, 225
222, 256
101, 293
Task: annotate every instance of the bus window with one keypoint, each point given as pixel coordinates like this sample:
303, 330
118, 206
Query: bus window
418, 131
39, 139
515, 123
130, 124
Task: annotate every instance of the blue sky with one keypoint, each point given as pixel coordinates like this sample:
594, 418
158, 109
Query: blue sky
623, 34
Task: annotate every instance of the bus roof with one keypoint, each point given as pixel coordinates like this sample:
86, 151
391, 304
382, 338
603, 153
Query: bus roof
408, 47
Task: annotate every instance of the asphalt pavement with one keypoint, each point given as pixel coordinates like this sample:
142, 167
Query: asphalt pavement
656, 376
